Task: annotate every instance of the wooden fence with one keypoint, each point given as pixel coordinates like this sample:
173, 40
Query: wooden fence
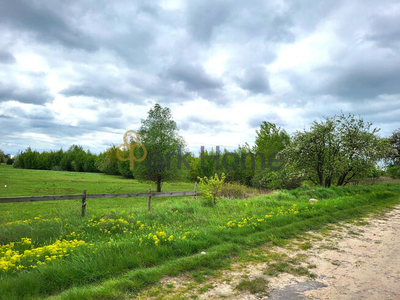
85, 196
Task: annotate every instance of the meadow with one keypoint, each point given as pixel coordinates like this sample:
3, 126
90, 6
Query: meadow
118, 249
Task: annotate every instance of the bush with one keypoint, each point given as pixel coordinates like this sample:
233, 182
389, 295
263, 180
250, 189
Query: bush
124, 170
56, 168
107, 162
283, 179
232, 190
214, 187
210, 187
393, 172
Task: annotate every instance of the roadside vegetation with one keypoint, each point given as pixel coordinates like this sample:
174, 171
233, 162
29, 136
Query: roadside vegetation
114, 253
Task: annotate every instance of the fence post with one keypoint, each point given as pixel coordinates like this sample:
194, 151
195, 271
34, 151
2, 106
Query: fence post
149, 201
83, 202
195, 189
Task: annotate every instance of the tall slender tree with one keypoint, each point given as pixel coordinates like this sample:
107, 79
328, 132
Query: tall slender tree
160, 135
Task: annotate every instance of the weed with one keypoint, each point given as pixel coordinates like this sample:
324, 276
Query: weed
254, 286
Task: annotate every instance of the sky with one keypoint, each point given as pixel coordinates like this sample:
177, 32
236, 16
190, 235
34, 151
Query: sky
84, 72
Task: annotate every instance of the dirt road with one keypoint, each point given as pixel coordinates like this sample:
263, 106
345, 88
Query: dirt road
350, 260
365, 265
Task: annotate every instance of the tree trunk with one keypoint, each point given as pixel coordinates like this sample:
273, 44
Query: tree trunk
328, 182
158, 184
341, 180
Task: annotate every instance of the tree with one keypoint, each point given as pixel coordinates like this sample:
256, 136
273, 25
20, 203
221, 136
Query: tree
337, 150
160, 135
360, 148
270, 140
2, 157
107, 162
393, 157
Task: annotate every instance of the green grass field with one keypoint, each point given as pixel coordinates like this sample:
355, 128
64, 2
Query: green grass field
22, 182
118, 249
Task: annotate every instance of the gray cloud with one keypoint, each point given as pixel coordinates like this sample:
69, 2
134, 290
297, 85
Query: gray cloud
194, 77
96, 90
242, 21
385, 31
35, 112
6, 57
35, 95
255, 80
46, 21
362, 81
205, 16
201, 124
256, 121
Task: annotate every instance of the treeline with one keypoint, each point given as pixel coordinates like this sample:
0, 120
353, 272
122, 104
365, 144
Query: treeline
6, 158
74, 159
336, 151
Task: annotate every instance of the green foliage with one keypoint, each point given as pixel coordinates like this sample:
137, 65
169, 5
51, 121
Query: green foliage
393, 156
270, 140
124, 169
210, 187
5, 158
337, 151
287, 178
90, 163
74, 159
393, 172
232, 190
2, 156
209, 166
215, 187
107, 162
375, 173
160, 135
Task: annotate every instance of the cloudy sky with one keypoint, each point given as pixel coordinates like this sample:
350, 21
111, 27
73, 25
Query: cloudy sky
84, 72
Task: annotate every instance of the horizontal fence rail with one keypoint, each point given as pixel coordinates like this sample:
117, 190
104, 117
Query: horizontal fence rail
39, 198
85, 196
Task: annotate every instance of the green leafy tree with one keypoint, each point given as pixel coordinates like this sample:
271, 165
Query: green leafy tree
337, 150
393, 156
2, 156
10, 161
89, 165
107, 162
270, 139
160, 135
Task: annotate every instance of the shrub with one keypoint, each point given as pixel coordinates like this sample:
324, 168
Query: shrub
232, 190
393, 172
283, 179
210, 187
124, 170
56, 168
